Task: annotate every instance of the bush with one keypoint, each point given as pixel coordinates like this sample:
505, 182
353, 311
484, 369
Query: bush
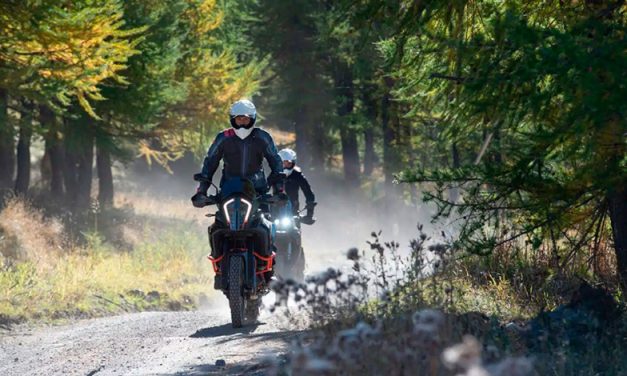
437, 312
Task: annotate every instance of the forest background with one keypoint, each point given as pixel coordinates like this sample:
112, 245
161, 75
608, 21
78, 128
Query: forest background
508, 116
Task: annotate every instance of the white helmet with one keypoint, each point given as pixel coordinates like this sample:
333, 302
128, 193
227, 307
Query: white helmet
243, 107
290, 156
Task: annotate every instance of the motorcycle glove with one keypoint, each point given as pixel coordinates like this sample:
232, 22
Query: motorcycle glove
198, 200
310, 208
276, 178
307, 220
203, 187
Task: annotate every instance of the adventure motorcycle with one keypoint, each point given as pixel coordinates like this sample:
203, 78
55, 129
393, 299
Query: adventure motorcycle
242, 245
290, 256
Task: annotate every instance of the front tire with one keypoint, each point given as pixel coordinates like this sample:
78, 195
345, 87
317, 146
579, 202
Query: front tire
235, 292
282, 265
252, 310
299, 266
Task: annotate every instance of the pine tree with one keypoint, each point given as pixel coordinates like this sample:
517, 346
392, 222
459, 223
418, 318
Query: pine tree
535, 93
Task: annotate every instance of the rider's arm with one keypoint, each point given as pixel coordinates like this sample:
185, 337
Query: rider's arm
304, 185
274, 160
212, 161
272, 154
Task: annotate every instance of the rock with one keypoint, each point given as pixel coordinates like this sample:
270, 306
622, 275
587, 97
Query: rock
175, 306
590, 311
220, 363
595, 300
136, 293
152, 296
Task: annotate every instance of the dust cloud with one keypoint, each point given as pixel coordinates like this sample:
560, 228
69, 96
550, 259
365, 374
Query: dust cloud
345, 218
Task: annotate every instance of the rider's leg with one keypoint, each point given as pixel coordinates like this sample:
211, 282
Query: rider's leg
215, 243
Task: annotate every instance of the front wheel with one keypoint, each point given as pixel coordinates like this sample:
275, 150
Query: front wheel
236, 293
252, 310
290, 261
299, 266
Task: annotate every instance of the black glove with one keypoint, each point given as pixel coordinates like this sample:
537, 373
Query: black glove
310, 209
307, 220
199, 200
276, 178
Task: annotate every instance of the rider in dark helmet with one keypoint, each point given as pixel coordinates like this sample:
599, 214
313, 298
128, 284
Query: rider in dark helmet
296, 180
242, 148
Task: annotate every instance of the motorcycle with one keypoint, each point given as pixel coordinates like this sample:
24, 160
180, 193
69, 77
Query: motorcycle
242, 241
290, 256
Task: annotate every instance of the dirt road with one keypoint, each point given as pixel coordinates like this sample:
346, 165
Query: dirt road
148, 343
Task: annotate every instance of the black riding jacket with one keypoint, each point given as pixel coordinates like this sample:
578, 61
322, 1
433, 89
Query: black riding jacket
242, 158
296, 180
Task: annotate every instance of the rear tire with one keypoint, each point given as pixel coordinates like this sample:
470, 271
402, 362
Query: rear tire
235, 293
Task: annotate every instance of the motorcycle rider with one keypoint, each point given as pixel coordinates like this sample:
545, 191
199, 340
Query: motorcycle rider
242, 148
296, 180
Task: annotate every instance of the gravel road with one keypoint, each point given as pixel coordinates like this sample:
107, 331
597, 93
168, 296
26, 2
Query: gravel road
148, 343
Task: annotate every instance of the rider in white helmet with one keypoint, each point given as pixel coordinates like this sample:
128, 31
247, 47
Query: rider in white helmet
243, 115
242, 149
296, 180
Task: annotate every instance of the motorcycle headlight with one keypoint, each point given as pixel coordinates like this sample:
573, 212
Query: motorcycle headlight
237, 212
286, 222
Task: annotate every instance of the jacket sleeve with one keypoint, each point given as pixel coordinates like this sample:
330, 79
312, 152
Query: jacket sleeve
304, 185
272, 155
213, 157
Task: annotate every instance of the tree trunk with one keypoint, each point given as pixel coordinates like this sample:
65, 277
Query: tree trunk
85, 172
369, 153
105, 177
370, 157
22, 179
301, 129
345, 94
350, 156
453, 193
617, 200
408, 147
54, 150
71, 146
79, 158
7, 145
318, 138
389, 136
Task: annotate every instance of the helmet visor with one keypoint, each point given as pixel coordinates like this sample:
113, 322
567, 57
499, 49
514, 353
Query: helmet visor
242, 121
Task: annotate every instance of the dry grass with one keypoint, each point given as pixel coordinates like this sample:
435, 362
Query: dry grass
371, 321
44, 277
26, 235
146, 205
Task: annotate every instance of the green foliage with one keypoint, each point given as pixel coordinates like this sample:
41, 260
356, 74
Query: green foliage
56, 52
155, 75
534, 97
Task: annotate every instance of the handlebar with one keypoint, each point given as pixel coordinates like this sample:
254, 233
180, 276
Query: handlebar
214, 200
